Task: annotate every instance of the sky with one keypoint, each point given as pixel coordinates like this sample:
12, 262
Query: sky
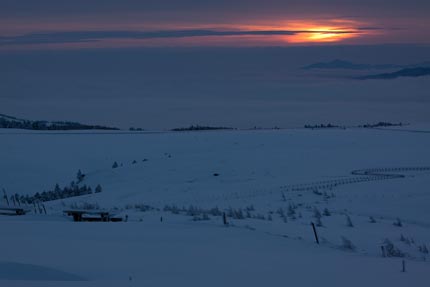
57, 24
160, 64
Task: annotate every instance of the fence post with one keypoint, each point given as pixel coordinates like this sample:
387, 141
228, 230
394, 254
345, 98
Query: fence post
38, 207
383, 251
5, 196
315, 233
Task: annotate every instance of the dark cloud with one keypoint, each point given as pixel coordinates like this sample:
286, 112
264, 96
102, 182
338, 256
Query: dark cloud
88, 36
100, 6
212, 9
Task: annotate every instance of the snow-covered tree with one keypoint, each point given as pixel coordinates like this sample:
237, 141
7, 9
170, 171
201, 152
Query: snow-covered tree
347, 244
349, 221
98, 188
283, 197
317, 213
423, 249
398, 223
391, 250
291, 212
80, 176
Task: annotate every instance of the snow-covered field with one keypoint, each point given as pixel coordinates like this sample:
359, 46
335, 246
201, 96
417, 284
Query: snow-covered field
270, 183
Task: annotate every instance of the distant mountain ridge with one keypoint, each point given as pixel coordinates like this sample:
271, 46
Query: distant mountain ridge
409, 72
346, 65
10, 122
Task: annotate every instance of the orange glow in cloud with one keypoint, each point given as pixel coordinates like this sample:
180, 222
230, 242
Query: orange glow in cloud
308, 32
324, 34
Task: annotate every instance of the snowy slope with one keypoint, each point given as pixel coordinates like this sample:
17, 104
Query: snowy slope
259, 173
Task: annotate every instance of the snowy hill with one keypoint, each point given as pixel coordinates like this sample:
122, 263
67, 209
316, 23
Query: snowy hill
9, 122
364, 189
